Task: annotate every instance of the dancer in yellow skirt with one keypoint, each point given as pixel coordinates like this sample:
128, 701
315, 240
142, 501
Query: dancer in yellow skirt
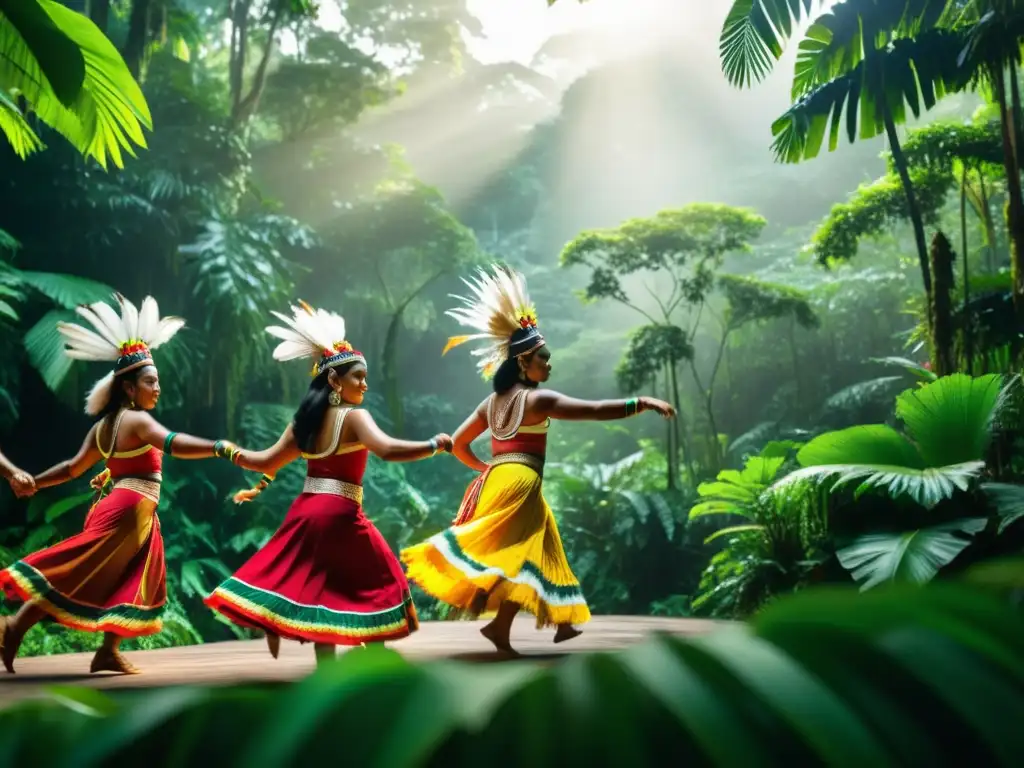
503, 552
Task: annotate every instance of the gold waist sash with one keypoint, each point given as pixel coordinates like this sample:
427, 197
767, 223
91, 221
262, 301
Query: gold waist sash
148, 488
531, 460
333, 487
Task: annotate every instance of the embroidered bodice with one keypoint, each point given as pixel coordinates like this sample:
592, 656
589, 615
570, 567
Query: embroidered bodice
138, 462
509, 434
341, 461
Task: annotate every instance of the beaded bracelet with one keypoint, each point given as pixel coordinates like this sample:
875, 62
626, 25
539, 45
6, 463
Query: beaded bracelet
222, 449
167, 442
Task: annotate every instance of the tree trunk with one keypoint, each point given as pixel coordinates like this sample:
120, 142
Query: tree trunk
99, 12
913, 208
990, 227
965, 315
246, 107
671, 436
942, 257
1015, 196
138, 37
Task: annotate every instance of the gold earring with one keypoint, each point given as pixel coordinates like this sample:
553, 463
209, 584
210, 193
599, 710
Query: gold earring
334, 398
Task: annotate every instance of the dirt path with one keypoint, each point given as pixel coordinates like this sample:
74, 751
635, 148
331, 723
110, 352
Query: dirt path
248, 661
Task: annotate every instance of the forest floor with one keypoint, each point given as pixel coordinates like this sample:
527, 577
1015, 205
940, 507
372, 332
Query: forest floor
248, 661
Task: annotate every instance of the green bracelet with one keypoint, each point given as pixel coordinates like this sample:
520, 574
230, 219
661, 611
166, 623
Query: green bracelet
167, 442
632, 406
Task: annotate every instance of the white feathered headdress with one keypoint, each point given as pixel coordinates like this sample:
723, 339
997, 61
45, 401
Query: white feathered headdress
313, 333
127, 341
500, 307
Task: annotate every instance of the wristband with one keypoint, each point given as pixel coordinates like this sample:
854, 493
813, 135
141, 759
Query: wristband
167, 442
433, 446
224, 450
632, 406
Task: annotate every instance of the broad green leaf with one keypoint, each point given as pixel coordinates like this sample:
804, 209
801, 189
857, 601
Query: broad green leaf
837, 736
869, 444
914, 556
950, 419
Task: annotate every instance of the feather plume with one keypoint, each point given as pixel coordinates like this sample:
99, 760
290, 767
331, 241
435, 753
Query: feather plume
100, 395
103, 344
307, 333
498, 306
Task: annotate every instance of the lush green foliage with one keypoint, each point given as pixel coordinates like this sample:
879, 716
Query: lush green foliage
877, 671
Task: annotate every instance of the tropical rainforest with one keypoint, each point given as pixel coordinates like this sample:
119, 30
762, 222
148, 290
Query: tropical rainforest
800, 222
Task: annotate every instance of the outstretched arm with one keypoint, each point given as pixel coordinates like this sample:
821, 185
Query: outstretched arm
270, 460
388, 448
87, 455
175, 444
468, 431
557, 406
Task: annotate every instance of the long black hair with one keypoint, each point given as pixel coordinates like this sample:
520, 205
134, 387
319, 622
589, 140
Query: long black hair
310, 415
507, 375
118, 397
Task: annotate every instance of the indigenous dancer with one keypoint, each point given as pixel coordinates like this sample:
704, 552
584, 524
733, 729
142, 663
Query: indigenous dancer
109, 578
21, 481
326, 576
503, 552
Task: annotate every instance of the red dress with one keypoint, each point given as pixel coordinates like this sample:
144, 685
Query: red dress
327, 575
111, 576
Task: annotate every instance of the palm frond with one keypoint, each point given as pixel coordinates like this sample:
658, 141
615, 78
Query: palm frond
1008, 500
15, 127
840, 38
67, 291
109, 111
927, 486
912, 556
754, 34
909, 74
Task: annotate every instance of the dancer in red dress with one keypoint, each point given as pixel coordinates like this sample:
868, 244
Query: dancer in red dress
109, 578
326, 576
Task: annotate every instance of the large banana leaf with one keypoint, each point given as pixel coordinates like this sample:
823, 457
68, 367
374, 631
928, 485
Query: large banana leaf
915, 556
107, 112
825, 677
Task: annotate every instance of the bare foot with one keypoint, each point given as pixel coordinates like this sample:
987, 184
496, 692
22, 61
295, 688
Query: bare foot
502, 644
9, 644
566, 632
273, 643
110, 660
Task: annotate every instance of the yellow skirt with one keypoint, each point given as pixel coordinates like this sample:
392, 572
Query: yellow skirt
508, 550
